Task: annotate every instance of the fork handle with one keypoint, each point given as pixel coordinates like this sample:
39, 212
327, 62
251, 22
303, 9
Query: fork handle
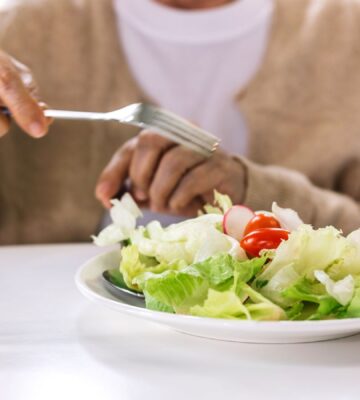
76, 115
63, 114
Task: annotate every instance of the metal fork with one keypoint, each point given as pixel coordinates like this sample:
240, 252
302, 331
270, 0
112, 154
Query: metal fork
144, 115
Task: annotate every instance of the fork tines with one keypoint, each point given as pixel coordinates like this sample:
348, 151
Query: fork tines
184, 132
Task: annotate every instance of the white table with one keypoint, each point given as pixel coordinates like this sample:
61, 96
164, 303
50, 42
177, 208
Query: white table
56, 345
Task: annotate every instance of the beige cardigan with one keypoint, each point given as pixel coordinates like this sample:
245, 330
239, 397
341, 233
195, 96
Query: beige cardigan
301, 109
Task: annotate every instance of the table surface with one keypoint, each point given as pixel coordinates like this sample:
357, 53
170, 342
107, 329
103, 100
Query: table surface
55, 344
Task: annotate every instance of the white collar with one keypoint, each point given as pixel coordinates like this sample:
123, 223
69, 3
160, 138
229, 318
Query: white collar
197, 27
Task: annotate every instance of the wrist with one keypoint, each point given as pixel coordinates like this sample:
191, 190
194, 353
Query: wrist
244, 176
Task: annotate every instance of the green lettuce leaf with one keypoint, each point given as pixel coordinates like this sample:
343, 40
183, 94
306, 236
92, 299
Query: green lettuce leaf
295, 312
219, 270
308, 250
349, 264
248, 269
221, 305
342, 291
153, 304
259, 307
305, 251
239, 302
134, 265
177, 289
306, 291
214, 288
273, 288
353, 310
222, 203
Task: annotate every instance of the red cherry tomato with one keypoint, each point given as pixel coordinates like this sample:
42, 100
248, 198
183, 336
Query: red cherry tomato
263, 238
261, 221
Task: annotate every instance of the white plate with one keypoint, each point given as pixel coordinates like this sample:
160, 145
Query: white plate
88, 280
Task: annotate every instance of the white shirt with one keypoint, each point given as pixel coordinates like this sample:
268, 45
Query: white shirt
194, 63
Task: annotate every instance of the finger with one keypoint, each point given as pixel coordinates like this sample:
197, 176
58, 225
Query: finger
23, 107
150, 147
173, 165
208, 197
4, 125
26, 77
196, 183
191, 210
115, 174
44, 106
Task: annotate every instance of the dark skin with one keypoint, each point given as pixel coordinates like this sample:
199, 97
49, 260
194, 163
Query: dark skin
18, 93
169, 178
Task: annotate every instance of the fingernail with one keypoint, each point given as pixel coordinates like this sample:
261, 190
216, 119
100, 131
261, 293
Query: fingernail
37, 130
140, 195
103, 189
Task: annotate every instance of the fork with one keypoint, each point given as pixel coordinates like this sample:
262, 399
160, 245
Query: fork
143, 115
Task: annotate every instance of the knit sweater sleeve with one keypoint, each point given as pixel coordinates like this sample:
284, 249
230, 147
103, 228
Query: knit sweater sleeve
320, 207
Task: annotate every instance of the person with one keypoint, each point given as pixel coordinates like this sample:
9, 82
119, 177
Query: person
292, 78
303, 149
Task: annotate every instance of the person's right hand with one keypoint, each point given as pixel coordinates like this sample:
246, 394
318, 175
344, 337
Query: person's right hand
18, 94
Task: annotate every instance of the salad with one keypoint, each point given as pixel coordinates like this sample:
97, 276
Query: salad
231, 262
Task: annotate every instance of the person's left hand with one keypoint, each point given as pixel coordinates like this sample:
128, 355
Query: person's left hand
170, 178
